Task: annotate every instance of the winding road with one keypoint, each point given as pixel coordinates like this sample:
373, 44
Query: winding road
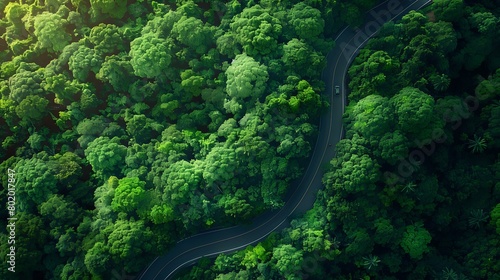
213, 243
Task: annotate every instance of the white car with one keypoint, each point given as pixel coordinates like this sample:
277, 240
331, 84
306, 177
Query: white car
337, 90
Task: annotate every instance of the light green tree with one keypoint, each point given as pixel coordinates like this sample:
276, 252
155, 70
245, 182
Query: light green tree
129, 194
415, 240
150, 55
50, 29
246, 79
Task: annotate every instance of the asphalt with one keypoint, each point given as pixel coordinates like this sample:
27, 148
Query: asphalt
226, 240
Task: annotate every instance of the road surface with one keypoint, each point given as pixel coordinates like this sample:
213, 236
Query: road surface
213, 243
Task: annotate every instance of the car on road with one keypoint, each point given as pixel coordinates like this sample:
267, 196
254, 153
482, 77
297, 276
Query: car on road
337, 90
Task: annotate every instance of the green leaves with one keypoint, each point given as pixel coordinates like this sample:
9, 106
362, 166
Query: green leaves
113, 8
150, 55
306, 21
415, 241
256, 30
161, 214
287, 260
105, 155
129, 194
246, 79
448, 10
24, 83
414, 109
302, 59
50, 29
32, 109
371, 117
193, 33
84, 60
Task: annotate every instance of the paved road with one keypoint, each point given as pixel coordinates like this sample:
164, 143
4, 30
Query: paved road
213, 243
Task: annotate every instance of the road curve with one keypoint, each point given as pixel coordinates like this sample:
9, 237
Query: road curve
213, 243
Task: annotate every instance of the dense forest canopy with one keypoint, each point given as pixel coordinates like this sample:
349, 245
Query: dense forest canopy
413, 190
128, 126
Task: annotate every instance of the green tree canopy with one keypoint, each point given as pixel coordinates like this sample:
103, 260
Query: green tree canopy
287, 260
129, 194
106, 156
246, 78
414, 109
51, 32
256, 30
306, 21
150, 55
415, 240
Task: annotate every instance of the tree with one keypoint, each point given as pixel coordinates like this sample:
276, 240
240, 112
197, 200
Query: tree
306, 21
25, 82
31, 238
113, 8
36, 181
220, 166
384, 231
302, 59
494, 123
255, 255
448, 10
129, 195
127, 240
287, 260
246, 79
161, 214
106, 38
180, 181
478, 144
106, 156
415, 240
64, 89
84, 60
256, 30
414, 109
444, 35
142, 129
373, 74
236, 206
116, 70
371, 117
495, 218
193, 33
59, 212
97, 259
357, 174
192, 83
50, 29
32, 109
392, 146
162, 24
150, 55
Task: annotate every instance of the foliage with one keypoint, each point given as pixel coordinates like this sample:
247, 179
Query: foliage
183, 116
149, 55
51, 32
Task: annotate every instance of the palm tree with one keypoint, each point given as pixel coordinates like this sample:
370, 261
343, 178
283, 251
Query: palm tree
449, 274
409, 187
476, 217
371, 261
478, 144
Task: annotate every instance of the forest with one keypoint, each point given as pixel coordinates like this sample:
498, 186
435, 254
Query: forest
413, 191
128, 126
